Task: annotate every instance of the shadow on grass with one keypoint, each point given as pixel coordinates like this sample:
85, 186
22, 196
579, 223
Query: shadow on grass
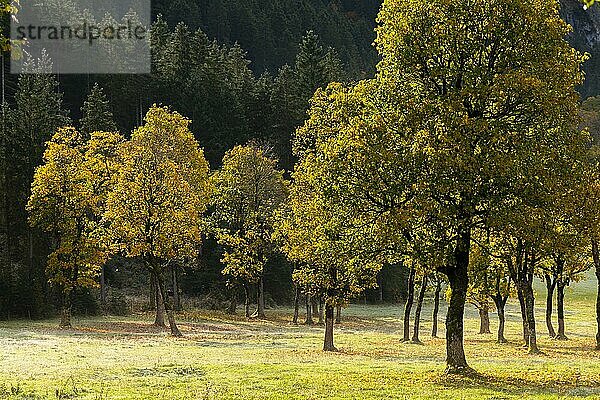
514, 385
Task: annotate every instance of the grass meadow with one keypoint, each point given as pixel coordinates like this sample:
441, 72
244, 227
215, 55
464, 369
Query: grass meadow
224, 357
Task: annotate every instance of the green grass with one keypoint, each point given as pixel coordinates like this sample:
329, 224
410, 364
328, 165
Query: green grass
224, 357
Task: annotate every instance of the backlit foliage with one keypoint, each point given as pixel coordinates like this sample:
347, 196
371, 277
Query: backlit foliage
247, 190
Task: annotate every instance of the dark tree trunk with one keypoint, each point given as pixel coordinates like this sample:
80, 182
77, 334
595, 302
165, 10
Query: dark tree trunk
436, 308
484, 321
175, 280
530, 312
596, 257
65, 315
309, 320
152, 293
103, 285
523, 307
409, 304
260, 310
338, 315
296, 305
500, 306
314, 306
560, 303
380, 288
329, 322
231, 310
247, 300
321, 311
550, 285
159, 319
598, 308
415, 338
5, 262
31, 260
456, 362
168, 306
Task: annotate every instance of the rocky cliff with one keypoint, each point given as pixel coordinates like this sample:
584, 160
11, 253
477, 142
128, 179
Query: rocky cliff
586, 38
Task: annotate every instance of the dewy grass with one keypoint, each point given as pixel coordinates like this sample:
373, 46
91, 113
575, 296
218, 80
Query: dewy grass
229, 357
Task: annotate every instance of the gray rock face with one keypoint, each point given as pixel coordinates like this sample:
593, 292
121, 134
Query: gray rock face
585, 23
585, 38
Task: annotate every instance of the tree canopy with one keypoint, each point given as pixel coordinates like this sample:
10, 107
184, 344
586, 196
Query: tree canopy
248, 189
155, 211
442, 141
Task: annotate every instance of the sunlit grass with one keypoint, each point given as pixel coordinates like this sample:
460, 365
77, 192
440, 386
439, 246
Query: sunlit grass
229, 357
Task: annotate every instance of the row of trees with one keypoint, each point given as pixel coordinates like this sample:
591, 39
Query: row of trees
76, 196
466, 143
200, 78
463, 156
98, 194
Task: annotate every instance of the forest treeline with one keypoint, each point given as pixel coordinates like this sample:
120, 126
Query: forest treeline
211, 84
270, 31
467, 161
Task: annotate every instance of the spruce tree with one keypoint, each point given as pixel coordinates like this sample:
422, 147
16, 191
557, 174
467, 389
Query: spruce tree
37, 113
96, 113
158, 40
315, 68
310, 72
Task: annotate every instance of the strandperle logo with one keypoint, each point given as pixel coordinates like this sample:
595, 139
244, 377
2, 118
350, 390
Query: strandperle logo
83, 31
82, 36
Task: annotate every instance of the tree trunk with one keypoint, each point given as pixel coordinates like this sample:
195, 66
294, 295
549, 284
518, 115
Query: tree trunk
5, 263
153, 291
315, 307
484, 321
550, 285
260, 310
560, 303
596, 257
175, 280
338, 315
321, 311
415, 338
168, 306
598, 307
409, 303
65, 315
296, 305
159, 319
380, 287
530, 312
456, 362
436, 308
309, 320
231, 310
103, 285
329, 322
521, 297
247, 300
500, 306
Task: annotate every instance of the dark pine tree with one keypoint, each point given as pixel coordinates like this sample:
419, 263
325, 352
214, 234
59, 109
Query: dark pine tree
96, 113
